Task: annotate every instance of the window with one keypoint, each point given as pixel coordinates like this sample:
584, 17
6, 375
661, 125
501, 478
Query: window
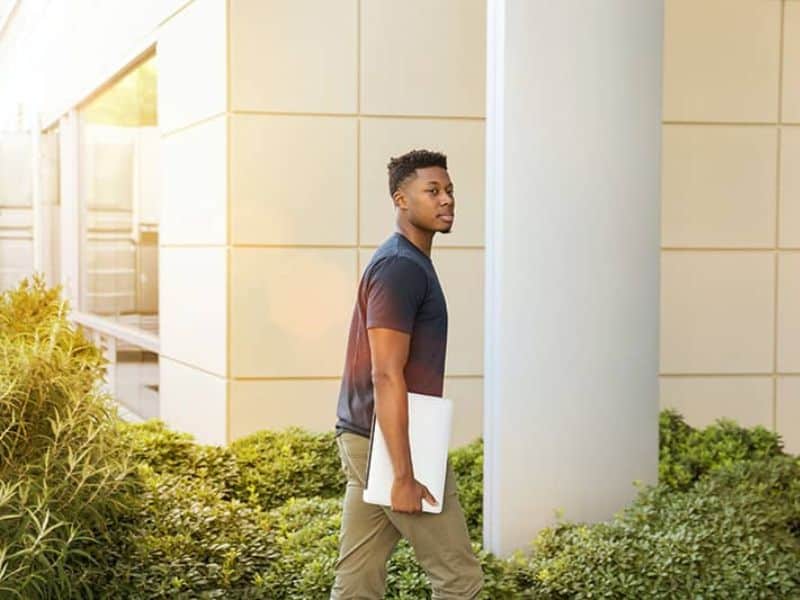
118, 204
119, 200
16, 210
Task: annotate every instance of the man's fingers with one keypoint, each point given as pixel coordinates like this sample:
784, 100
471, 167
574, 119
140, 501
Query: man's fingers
428, 496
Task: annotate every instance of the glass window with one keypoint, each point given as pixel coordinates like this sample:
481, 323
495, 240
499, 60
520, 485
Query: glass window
119, 201
119, 194
16, 213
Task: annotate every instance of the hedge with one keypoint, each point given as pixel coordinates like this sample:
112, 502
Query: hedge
94, 507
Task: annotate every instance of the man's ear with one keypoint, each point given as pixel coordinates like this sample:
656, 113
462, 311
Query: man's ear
400, 200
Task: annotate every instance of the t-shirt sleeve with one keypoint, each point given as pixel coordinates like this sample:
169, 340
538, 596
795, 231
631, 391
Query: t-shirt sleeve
395, 291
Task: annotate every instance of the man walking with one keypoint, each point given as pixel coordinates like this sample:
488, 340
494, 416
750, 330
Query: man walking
396, 345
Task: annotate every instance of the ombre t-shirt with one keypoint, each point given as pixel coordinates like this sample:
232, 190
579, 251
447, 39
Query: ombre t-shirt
398, 290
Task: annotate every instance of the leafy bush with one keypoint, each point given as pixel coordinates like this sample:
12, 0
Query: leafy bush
305, 535
726, 537
168, 452
187, 540
63, 475
687, 454
725, 525
261, 518
278, 465
467, 463
202, 525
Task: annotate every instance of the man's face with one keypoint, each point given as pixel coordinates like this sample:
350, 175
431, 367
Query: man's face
429, 199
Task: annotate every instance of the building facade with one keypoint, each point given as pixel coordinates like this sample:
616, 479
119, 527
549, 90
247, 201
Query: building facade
207, 180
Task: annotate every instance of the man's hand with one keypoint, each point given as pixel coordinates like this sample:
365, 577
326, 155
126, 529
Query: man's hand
407, 495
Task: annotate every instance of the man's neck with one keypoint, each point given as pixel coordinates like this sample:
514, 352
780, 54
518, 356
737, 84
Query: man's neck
419, 237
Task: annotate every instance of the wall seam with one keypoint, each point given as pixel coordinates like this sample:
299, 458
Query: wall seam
317, 246
186, 126
229, 227
358, 142
776, 283
463, 376
761, 249
724, 123
344, 115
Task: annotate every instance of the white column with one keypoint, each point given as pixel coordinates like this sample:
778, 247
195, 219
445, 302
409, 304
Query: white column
572, 261
70, 217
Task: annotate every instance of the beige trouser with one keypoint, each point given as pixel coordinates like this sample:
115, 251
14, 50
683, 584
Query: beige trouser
369, 534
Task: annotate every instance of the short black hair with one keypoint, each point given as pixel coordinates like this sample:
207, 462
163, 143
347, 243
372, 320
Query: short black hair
402, 167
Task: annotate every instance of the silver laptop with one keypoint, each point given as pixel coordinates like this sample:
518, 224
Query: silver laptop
430, 422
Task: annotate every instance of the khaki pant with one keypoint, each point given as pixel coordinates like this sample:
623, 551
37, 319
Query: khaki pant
369, 534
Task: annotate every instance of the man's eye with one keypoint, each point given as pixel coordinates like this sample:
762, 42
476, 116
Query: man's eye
434, 191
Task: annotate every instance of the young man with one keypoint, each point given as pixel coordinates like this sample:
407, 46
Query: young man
397, 343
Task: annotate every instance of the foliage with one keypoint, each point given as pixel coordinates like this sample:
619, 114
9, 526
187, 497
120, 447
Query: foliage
188, 540
687, 454
732, 535
63, 476
467, 464
91, 507
278, 465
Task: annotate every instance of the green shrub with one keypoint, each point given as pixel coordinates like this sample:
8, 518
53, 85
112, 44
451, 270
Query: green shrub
167, 452
64, 475
278, 465
728, 527
187, 541
305, 534
261, 518
687, 454
729, 536
467, 464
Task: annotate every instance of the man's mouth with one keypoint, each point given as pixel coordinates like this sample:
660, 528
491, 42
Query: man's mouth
447, 218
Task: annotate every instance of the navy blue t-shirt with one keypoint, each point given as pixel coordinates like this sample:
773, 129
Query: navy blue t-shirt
398, 290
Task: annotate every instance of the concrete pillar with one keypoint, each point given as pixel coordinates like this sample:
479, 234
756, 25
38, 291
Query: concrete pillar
572, 261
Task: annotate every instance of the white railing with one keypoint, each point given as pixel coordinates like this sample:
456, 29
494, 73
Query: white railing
120, 331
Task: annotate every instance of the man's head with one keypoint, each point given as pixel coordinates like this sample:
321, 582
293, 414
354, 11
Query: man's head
421, 190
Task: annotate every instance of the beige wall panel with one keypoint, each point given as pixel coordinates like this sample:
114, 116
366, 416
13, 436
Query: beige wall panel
277, 404
463, 143
194, 197
721, 60
423, 58
789, 214
791, 63
193, 306
467, 397
364, 256
460, 273
718, 186
789, 312
294, 55
193, 401
291, 311
717, 311
311, 404
293, 180
191, 60
788, 413
702, 400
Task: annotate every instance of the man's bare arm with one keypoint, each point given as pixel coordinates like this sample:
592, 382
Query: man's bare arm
389, 351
